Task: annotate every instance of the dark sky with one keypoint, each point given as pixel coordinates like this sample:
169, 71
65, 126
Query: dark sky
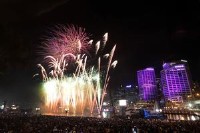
146, 34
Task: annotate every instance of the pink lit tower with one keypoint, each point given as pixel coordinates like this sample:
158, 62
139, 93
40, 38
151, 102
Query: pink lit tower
147, 84
176, 81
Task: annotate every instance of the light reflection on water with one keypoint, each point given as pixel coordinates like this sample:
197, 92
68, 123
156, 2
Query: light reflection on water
182, 117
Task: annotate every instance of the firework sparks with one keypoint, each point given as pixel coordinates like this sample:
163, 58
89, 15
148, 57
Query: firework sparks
97, 46
106, 56
114, 64
64, 40
105, 39
90, 42
82, 91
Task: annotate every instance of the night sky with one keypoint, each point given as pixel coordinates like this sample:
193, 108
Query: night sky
146, 33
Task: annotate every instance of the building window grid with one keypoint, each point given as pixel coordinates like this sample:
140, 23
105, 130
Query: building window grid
146, 78
177, 80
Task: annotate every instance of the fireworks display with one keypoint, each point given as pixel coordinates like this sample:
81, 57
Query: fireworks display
81, 92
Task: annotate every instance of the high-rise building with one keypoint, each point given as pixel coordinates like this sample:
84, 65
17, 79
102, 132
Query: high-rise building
176, 81
147, 84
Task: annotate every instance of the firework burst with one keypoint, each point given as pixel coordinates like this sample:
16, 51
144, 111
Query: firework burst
64, 40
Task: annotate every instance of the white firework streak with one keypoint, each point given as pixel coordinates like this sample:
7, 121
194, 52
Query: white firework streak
114, 63
90, 42
106, 56
97, 46
105, 39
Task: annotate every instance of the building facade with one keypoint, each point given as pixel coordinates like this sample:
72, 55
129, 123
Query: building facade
147, 84
176, 81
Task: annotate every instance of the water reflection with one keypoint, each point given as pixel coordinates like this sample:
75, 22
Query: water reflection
182, 117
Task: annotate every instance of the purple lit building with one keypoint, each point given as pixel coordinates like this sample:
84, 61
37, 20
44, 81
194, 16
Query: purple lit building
176, 81
147, 84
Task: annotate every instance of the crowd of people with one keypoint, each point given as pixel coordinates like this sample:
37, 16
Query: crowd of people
16, 123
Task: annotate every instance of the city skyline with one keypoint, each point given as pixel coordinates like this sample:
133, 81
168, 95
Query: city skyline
146, 33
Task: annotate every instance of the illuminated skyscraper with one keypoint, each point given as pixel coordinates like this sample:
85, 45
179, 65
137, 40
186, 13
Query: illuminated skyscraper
147, 84
176, 81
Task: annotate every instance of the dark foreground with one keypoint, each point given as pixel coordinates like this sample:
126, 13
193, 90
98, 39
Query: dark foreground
63, 124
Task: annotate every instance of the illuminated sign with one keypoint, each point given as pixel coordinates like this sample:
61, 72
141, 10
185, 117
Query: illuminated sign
128, 86
122, 103
179, 66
